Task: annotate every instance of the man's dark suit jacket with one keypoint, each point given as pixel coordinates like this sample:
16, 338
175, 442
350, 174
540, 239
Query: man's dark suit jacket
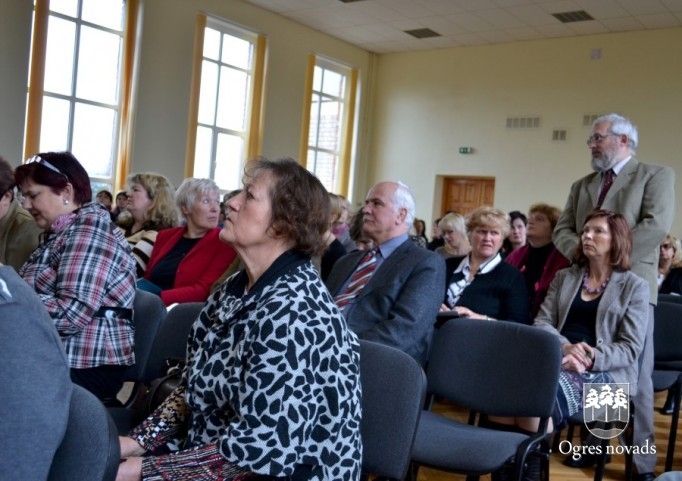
398, 306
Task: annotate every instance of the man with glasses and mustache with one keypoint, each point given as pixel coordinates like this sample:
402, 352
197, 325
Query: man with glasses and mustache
645, 195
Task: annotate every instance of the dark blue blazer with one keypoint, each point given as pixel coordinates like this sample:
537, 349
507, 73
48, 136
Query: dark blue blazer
398, 306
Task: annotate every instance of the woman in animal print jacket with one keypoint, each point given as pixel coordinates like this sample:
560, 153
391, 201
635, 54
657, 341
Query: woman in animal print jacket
271, 387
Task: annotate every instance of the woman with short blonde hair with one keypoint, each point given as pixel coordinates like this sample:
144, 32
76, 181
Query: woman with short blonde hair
454, 233
480, 285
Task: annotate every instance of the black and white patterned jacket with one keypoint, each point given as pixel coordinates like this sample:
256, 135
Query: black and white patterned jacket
272, 384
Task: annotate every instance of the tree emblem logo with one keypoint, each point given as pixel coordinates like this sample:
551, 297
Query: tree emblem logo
606, 408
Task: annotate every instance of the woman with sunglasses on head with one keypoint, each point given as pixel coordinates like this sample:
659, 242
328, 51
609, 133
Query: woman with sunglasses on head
82, 270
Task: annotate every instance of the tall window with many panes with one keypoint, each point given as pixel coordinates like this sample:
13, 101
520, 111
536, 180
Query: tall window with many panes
330, 124
224, 126
80, 103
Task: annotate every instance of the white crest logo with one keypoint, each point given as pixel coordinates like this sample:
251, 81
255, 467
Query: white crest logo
606, 408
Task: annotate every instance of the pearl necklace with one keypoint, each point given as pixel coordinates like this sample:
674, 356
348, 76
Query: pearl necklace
598, 290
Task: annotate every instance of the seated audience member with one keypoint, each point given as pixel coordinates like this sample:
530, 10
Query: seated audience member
516, 239
420, 230
480, 285
334, 249
82, 271
453, 230
18, 231
151, 203
121, 210
669, 282
105, 198
35, 379
670, 267
436, 236
340, 213
391, 293
271, 388
187, 260
539, 260
357, 232
596, 308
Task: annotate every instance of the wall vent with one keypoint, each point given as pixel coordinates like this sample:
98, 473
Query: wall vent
523, 122
588, 119
422, 33
559, 135
576, 16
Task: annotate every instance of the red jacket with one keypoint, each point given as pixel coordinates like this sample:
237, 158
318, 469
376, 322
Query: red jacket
198, 270
555, 262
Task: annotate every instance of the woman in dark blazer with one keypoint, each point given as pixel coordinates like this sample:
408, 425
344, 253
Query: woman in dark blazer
480, 285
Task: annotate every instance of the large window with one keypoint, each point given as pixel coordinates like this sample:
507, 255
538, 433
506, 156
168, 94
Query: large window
76, 103
330, 126
227, 127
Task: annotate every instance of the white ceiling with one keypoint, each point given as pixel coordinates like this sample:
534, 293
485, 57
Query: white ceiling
378, 25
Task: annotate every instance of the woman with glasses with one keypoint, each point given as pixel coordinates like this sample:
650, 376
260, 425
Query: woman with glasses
81, 270
151, 203
595, 309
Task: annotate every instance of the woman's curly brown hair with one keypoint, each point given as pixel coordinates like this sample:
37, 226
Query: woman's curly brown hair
300, 203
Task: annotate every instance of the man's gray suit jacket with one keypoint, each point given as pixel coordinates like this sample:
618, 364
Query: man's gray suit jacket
644, 194
399, 304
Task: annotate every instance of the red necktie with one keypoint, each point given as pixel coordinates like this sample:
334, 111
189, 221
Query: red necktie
359, 279
608, 180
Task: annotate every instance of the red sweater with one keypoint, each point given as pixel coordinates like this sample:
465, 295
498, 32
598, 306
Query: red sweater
198, 270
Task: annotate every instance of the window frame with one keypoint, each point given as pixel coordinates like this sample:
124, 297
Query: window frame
253, 132
122, 139
346, 151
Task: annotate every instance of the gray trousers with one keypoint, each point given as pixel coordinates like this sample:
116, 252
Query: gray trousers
644, 403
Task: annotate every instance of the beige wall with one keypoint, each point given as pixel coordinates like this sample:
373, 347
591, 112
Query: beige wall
428, 104
165, 70
417, 108
15, 35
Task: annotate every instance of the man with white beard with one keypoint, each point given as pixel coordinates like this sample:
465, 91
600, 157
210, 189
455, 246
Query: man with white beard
645, 195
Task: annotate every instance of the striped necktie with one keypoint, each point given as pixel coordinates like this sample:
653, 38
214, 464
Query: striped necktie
606, 185
359, 279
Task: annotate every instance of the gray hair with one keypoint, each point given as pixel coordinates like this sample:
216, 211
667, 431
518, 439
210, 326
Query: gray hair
404, 199
620, 125
190, 189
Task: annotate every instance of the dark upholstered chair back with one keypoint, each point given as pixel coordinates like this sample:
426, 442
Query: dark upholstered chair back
500, 368
90, 448
393, 390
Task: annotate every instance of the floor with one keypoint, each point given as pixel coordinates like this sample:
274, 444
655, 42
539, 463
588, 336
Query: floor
615, 470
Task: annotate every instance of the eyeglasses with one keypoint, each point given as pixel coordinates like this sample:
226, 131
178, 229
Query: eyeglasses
596, 138
666, 246
39, 160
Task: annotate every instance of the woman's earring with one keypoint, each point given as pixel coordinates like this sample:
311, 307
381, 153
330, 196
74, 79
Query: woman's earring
66, 201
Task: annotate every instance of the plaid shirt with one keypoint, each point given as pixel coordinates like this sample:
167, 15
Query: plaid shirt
78, 271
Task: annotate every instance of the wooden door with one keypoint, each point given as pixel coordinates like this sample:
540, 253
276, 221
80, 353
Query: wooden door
464, 194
